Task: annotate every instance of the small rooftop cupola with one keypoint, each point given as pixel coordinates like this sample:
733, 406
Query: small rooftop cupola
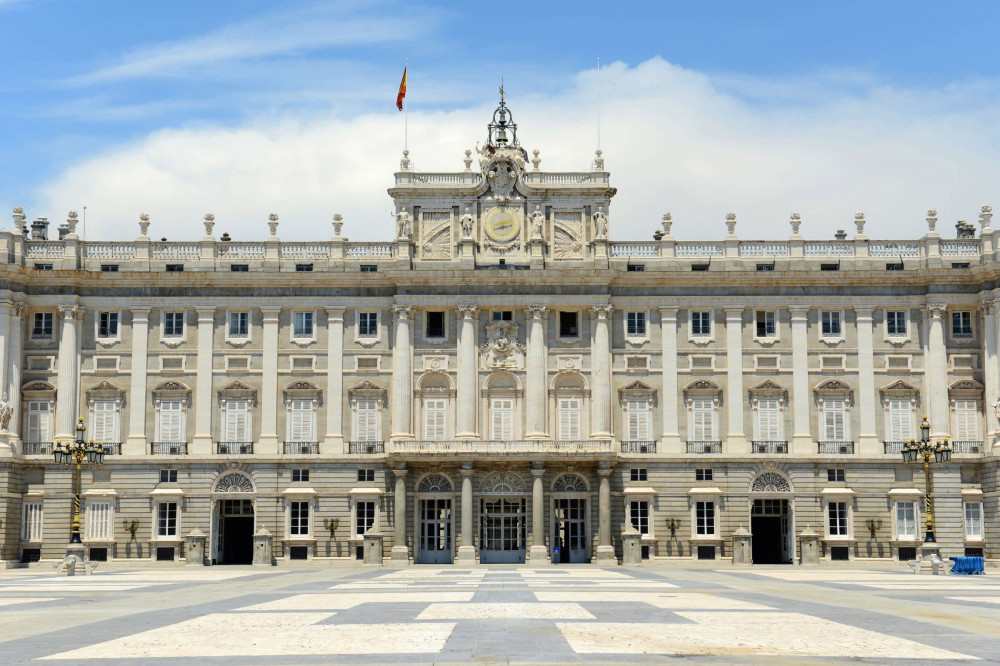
502, 131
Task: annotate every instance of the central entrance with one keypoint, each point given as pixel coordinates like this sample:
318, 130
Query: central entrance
770, 529
234, 534
570, 530
503, 533
435, 532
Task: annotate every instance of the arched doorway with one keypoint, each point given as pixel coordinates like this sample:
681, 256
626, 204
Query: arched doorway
502, 519
233, 522
771, 519
435, 523
570, 517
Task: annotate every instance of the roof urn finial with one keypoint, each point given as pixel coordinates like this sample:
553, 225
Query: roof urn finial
338, 223
272, 223
468, 159
19, 218
731, 223
404, 164
796, 221
535, 160
985, 214
666, 221
144, 224
932, 219
859, 223
209, 223
598, 160
71, 220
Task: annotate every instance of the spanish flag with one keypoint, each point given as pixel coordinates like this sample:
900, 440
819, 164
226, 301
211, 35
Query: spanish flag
402, 92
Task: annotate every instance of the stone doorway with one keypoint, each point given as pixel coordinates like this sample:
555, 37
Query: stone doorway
435, 531
770, 526
570, 531
234, 531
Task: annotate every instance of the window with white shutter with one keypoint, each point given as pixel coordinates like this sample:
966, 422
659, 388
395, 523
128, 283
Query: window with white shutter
906, 520
237, 421
973, 521
769, 420
834, 420
434, 419
38, 421
104, 427
900, 420
98, 521
171, 422
366, 422
967, 420
569, 418
502, 411
703, 421
300, 421
31, 523
637, 419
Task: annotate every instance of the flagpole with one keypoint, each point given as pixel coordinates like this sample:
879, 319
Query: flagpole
406, 110
598, 103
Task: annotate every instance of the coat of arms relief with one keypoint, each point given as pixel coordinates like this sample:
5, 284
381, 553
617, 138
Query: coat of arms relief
501, 349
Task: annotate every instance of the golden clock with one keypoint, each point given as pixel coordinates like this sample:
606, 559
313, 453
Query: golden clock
502, 224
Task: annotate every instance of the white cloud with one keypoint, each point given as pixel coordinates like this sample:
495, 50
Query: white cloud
674, 139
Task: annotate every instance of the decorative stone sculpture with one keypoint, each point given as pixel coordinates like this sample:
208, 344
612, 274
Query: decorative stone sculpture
537, 219
985, 214
468, 160
996, 409
598, 160
859, 223
338, 223
501, 349
209, 223
6, 411
272, 223
71, 221
404, 225
666, 222
965, 230
404, 164
535, 160
467, 221
600, 223
143, 224
931, 220
19, 218
796, 221
731, 223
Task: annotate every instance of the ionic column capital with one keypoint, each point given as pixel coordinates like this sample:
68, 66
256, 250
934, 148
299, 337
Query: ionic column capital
536, 311
602, 311
17, 309
402, 312
70, 312
988, 306
467, 311
936, 310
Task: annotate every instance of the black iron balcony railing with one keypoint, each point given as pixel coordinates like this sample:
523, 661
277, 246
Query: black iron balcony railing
168, 448
367, 447
894, 447
112, 448
36, 448
967, 447
638, 446
234, 448
704, 446
763, 446
301, 448
836, 447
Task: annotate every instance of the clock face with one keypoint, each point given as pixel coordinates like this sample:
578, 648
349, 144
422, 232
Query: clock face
502, 224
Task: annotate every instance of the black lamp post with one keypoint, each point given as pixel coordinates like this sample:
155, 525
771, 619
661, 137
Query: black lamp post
74, 454
914, 452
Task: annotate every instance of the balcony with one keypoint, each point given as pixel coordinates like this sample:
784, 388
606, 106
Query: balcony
704, 446
894, 447
37, 448
112, 448
234, 448
366, 448
968, 448
836, 448
168, 448
503, 447
638, 446
301, 448
761, 446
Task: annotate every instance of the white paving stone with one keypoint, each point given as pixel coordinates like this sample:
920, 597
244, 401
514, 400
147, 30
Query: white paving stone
13, 601
978, 600
688, 600
509, 611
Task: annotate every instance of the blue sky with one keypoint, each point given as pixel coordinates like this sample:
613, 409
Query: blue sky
244, 107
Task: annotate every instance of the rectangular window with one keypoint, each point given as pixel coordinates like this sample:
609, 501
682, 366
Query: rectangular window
298, 520
834, 420
300, 421
434, 325
300, 475
38, 421
105, 425
701, 324
368, 268
175, 268
973, 521
368, 324
168, 476
895, 323
366, 425
568, 325
239, 324
42, 328
31, 523
835, 474
637, 419
366, 475
831, 324
569, 419
109, 268
703, 475
906, 520
239, 268
769, 420
107, 325
303, 268
365, 518
961, 324
703, 421
900, 420
765, 324
639, 515
171, 421
43, 267
705, 518
967, 420
237, 424
503, 315
99, 527
502, 410
303, 325
173, 324
166, 519
837, 513
636, 324
638, 474
435, 410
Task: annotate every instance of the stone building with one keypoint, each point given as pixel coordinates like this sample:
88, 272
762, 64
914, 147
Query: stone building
499, 383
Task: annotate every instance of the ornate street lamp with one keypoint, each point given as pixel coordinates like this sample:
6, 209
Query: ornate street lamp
940, 451
76, 453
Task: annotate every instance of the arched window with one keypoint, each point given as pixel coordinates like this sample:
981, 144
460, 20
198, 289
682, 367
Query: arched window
436, 395
503, 397
570, 483
435, 483
568, 391
502, 483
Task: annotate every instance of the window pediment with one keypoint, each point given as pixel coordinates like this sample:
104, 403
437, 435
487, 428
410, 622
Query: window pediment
302, 390
703, 387
900, 389
768, 389
237, 390
637, 390
367, 390
38, 390
966, 388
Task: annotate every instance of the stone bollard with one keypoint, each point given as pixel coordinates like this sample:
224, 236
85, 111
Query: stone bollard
631, 546
262, 548
808, 546
373, 548
194, 547
742, 546
930, 557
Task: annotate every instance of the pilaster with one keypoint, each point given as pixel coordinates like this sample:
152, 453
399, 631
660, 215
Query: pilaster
202, 443
402, 373
937, 372
605, 551
600, 359
68, 374
670, 439
802, 441
268, 441
14, 367
466, 398
736, 441
868, 442
536, 372
135, 445
334, 440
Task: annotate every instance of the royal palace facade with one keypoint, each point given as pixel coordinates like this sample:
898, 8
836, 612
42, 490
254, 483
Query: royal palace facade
500, 383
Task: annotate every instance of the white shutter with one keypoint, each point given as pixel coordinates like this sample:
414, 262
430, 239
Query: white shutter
171, 421
38, 421
31, 525
569, 419
768, 420
702, 420
434, 419
236, 421
966, 420
900, 420
105, 425
834, 421
503, 419
300, 421
637, 417
366, 421
99, 521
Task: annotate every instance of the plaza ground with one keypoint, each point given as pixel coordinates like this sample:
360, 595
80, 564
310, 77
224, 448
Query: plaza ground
490, 614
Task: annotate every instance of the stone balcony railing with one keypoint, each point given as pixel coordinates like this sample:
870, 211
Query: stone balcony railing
501, 447
968, 448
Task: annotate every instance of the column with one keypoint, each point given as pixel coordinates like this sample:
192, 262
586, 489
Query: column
14, 368
334, 382
736, 440
868, 443
68, 369
600, 363
993, 407
402, 373
466, 398
605, 551
802, 441
536, 371
202, 444
135, 445
467, 551
268, 440
5, 335
538, 554
400, 552
670, 439
990, 377
937, 373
